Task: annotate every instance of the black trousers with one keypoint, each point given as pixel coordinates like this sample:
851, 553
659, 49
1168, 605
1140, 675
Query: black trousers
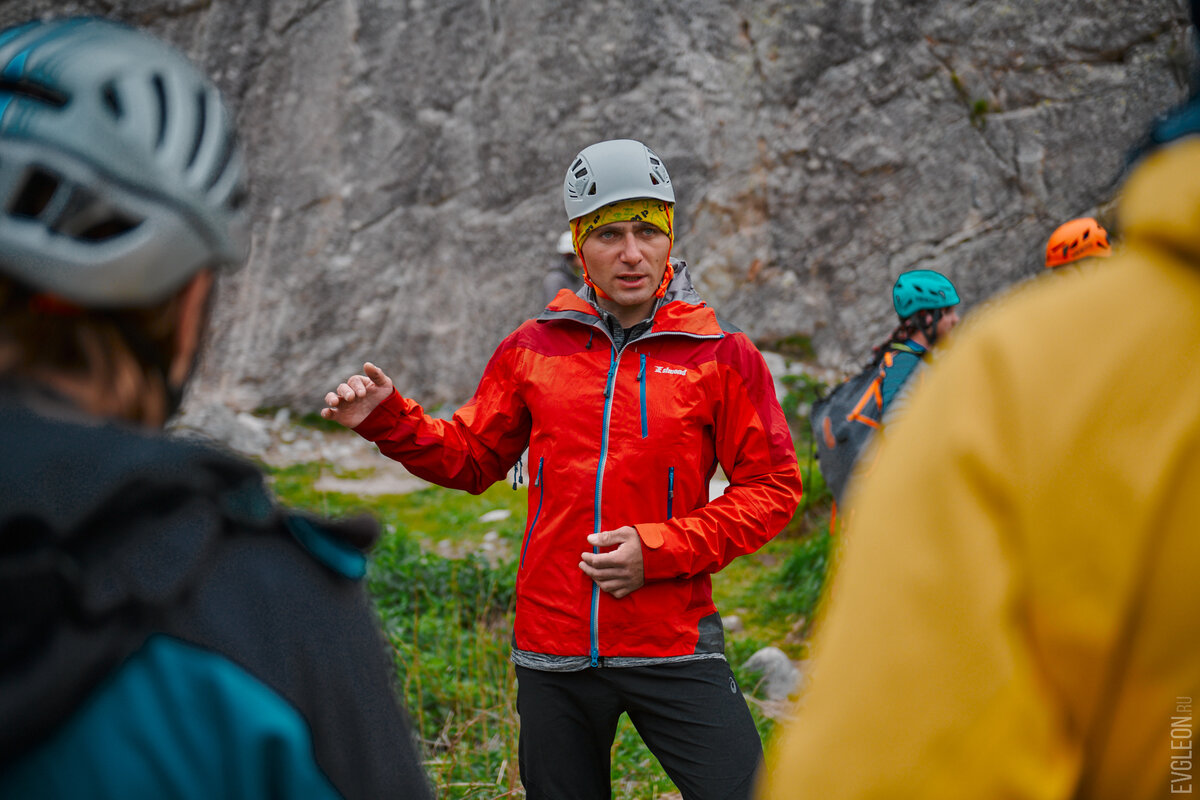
691, 715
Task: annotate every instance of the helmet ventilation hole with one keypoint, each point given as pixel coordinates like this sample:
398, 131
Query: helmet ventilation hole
36, 193
23, 87
87, 218
160, 91
226, 155
108, 229
112, 100
201, 118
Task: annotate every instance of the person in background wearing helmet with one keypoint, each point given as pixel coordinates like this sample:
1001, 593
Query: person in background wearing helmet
1075, 240
1023, 621
925, 302
627, 396
168, 631
566, 272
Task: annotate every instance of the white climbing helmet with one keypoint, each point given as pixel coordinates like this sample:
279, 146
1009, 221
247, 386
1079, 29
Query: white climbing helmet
618, 169
120, 174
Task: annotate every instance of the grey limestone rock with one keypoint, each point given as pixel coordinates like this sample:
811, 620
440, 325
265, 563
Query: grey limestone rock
407, 159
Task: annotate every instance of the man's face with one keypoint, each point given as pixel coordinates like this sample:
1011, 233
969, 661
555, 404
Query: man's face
626, 260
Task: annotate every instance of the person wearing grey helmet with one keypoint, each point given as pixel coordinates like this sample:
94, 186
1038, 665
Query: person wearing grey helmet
627, 395
168, 631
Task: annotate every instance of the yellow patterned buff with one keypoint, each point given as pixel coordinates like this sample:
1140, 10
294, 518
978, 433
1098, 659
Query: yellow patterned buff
656, 212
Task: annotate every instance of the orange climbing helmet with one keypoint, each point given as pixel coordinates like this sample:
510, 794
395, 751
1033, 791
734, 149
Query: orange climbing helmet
1079, 238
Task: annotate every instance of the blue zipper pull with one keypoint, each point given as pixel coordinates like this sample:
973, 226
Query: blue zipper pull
670, 492
517, 475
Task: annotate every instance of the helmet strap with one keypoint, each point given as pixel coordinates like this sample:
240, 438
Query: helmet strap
668, 274
588, 280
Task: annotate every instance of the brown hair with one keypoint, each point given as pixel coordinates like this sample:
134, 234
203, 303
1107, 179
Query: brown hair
924, 321
112, 363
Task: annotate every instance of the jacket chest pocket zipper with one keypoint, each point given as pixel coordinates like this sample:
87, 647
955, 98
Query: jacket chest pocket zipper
670, 492
642, 384
537, 484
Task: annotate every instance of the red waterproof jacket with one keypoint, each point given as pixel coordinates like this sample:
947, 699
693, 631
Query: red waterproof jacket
628, 437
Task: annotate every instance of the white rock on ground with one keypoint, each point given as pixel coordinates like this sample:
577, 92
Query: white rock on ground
779, 675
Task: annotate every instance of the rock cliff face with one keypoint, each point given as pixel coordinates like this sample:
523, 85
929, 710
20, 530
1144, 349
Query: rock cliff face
408, 157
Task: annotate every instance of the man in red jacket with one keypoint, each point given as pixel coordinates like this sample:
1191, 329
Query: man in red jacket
627, 398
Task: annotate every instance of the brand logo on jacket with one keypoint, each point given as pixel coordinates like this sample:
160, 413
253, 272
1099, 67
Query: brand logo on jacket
669, 371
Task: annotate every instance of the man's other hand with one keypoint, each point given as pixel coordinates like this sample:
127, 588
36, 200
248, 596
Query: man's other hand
618, 572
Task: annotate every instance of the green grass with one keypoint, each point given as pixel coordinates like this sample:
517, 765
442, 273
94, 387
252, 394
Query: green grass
447, 611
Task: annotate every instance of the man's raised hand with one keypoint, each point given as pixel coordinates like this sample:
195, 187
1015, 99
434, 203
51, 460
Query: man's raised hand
354, 400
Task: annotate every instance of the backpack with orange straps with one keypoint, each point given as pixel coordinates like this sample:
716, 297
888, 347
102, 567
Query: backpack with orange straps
843, 420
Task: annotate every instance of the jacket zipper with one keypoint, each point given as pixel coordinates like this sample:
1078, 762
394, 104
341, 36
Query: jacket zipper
613, 361
642, 381
537, 483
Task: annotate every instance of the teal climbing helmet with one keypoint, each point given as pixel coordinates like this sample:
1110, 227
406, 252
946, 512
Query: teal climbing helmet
921, 290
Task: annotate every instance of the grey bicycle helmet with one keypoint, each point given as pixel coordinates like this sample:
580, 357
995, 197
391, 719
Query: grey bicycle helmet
120, 174
619, 169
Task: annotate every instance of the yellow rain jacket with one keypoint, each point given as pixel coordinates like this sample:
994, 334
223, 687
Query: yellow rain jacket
1016, 609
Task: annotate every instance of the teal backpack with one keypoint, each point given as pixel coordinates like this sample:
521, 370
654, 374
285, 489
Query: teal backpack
844, 420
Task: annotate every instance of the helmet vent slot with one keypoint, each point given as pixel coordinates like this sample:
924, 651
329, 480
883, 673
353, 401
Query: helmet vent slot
108, 229
87, 218
112, 100
23, 87
226, 154
160, 92
36, 193
201, 117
